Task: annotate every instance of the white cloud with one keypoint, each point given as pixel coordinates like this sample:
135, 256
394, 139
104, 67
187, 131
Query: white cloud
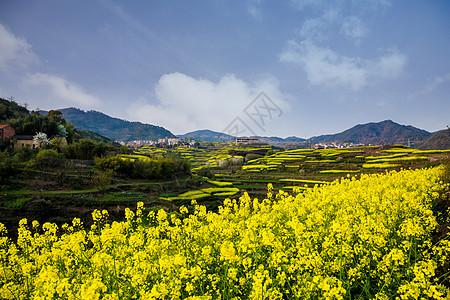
389, 66
436, 82
431, 86
302, 4
325, 67
332, 22
372, 5
14, 51
324, 5
354, 28
186, 103
253, 8
46, 89
59, 91
331, 18
314, 29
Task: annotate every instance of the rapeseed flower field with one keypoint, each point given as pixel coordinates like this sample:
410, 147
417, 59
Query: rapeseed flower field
369, 238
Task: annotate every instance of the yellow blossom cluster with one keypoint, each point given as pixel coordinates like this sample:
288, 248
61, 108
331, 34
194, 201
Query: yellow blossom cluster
355, 239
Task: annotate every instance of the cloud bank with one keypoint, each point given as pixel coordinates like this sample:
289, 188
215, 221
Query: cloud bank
56, 87
431, 86
323, 66
44, 90
14, 51
185, 103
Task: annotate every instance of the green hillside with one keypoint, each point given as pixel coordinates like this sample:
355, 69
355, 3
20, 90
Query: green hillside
10, 109
385, 132
86, 134
113, 128
440, 140
209, 136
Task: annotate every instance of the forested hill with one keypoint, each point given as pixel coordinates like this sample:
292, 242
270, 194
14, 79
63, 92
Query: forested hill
385, 132
10, 109
113, 128
209, 136
438, 141
214, 136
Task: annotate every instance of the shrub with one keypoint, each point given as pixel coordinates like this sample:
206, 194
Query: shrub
19, 203
85, 149
158, 168
9, 166
49, 158
102, 180
205, 172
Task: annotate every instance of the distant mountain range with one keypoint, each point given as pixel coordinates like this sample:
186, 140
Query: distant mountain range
113, 128
101, 127
385, 132
213, 136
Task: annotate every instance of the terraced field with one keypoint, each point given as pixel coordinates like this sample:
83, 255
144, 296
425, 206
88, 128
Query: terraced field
231, 170
298, 169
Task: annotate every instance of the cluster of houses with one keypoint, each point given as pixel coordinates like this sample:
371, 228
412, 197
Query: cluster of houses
161, 142
247, 140
7, 133
336, 145
173, 141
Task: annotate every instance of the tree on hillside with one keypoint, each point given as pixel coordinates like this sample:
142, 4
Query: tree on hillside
70, 132
41, 139
34, 123
4, 112
85, 149
10, 109
56, 116
62, 131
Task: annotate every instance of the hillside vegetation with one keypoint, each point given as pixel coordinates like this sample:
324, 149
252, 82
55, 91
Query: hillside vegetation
439, 140
10, 109
113, 128
385, 132
86, 134
209, 136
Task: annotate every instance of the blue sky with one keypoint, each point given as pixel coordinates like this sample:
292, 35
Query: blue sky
323, 66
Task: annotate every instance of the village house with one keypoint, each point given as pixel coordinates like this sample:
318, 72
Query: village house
6, 132
20, 141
